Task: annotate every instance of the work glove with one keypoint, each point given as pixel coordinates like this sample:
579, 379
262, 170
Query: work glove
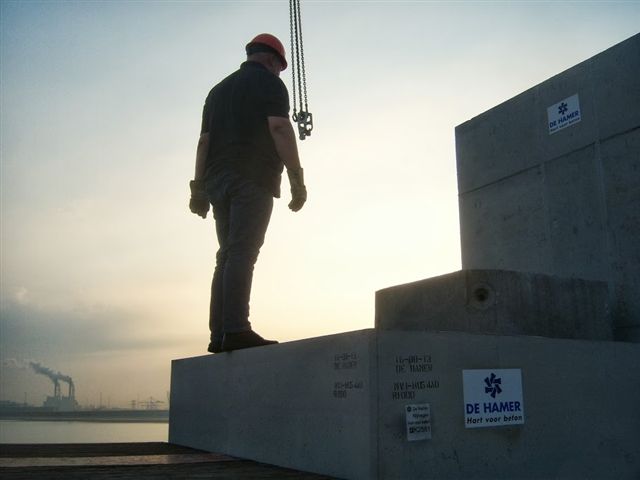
298, 190
199, 203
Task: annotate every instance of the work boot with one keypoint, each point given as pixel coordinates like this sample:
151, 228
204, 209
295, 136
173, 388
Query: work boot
240, 340
215, 347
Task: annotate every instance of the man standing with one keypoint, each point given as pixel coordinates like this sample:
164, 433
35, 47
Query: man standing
246, 140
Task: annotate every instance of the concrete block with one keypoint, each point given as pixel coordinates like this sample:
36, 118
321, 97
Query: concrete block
514, 135
297, 404
575, 426
615, 73
503, 225
564, 204
498, 302
279, 405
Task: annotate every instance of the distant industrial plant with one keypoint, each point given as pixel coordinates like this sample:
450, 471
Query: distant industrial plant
58, 402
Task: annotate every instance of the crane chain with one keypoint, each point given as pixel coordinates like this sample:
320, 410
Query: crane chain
303, 117
293, 83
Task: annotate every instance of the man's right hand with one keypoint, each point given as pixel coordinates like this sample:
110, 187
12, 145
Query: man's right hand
298, 190
199, 203
285, 142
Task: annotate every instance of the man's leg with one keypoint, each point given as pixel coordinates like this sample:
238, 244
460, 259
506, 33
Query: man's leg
216, 306
249, 215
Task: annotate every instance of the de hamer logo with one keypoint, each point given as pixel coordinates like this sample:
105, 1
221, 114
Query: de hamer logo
564, 113
493, 385
493, 398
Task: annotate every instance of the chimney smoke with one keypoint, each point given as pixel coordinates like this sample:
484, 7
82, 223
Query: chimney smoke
55, 377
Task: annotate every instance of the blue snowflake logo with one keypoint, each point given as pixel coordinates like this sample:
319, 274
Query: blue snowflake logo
562, 109
493, 385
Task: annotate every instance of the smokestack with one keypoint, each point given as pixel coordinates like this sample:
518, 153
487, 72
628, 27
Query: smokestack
55, 377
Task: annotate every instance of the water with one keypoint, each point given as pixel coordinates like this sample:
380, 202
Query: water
21, 431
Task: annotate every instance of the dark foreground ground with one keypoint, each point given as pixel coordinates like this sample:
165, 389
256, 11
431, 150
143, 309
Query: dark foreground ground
124, 461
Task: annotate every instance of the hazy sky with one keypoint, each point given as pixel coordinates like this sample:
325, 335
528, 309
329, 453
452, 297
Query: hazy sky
105, 272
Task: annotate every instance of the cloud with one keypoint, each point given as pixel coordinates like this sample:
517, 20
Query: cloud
21, 296
39, 332
104, 349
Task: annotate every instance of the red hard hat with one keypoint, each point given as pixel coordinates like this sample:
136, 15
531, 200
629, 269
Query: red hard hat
271, 42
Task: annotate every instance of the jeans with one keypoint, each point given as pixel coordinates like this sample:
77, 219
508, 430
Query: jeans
242, 211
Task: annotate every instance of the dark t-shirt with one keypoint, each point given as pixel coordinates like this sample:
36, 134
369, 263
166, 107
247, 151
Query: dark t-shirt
235, 115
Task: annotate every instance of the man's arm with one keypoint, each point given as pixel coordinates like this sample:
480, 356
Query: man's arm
201, 155
199, 203
284, 139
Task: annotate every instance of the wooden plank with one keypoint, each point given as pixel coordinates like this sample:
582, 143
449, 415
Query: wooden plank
129, 461
91, 449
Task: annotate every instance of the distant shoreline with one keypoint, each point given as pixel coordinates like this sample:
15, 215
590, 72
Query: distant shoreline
112, 416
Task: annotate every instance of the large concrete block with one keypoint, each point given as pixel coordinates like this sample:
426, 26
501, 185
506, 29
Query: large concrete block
514, 135
574, 426
498, 302
565, 203
337, 406
297, 404
615, 73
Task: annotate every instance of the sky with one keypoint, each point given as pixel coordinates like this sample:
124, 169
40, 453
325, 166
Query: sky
105, 274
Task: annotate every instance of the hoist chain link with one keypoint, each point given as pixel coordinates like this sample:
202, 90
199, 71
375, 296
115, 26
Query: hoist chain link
293, 89
304, 76
303, 117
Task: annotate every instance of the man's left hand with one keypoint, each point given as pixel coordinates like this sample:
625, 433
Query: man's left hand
199, 203
298, 190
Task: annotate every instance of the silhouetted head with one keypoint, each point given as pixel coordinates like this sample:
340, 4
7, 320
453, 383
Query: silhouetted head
267, 50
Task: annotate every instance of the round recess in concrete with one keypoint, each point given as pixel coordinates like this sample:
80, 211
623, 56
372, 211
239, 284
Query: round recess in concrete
481, 296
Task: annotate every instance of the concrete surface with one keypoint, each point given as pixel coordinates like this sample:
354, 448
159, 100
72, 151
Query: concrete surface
336, 405
304, 404
567, 203
581, 418
498, 302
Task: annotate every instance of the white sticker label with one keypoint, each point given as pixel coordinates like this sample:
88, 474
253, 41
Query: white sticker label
563, 114
492, 398
418, 422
